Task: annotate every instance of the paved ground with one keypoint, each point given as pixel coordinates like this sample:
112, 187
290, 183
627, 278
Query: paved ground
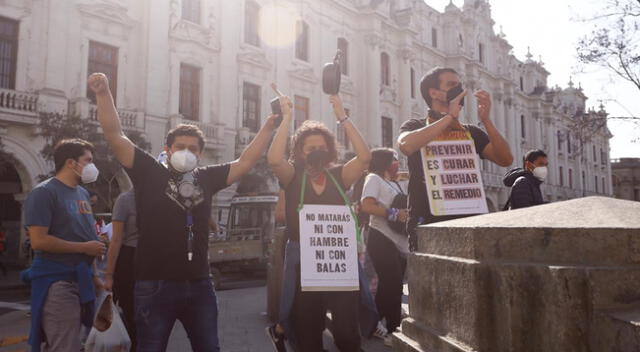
241, 320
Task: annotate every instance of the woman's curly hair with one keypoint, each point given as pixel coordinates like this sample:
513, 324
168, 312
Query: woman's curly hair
310, 128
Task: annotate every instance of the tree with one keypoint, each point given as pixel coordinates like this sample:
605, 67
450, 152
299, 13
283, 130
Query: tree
54, 127
614, 42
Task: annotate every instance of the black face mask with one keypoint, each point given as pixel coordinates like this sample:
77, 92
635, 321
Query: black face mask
454, 92
318, 159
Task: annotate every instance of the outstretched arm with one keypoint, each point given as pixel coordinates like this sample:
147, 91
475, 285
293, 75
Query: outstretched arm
252, 153
276, 158
123, 148
353, 169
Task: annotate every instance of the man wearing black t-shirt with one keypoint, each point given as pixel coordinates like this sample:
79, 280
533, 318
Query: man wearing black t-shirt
444, 109
173, 204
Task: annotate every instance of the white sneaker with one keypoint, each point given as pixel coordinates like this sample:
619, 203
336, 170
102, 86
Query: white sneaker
388, 340
381, 331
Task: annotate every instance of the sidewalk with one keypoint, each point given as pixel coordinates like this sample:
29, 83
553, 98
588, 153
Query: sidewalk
241, 322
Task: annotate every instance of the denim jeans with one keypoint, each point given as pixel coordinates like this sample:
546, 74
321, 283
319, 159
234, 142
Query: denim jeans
158, 303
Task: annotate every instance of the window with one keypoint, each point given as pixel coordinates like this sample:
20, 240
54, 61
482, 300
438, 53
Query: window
595, 159
413, 83
596, 183
636, 194
481, 52
384, 69
584, 181
189, 92
521, 84
301, 110
251, 13
559, 140
387, 132
434, 37
570, 178
191, 10
561, 176
8, 52
302, 41
103, 58
251, 106
343, 46
341, 133
569, 143
603, 157
603, 186
523, 130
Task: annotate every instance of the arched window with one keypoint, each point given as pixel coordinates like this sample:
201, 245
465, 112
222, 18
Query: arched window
384, 69
302, 41
343, 46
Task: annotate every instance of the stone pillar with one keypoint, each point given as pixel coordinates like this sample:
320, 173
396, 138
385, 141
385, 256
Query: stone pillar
372, 118
558, 277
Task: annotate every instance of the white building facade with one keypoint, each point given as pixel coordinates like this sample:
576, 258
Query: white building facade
210, 62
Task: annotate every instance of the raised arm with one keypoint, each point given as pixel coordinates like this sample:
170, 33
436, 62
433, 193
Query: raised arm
122, 147
498, 149
353, 169
276, 155
411, 141
252, 152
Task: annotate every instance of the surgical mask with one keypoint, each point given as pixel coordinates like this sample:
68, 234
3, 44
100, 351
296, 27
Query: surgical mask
540, 172
318, 159
183, 161
89, 173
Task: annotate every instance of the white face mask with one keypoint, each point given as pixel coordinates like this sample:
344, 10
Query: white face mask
540, 172
89, 173
183, 161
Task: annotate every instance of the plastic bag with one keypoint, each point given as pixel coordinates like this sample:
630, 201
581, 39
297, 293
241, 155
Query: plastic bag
112, 339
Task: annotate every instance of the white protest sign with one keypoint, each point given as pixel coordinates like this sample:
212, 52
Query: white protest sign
452, 175
328, 249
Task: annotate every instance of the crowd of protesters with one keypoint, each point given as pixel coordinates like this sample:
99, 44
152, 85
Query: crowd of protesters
361, 213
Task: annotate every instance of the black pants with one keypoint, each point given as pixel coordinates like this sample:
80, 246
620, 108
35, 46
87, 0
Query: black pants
123, 286
309, 314
390, 265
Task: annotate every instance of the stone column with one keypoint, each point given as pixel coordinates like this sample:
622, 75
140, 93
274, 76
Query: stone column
559, 277
373, 84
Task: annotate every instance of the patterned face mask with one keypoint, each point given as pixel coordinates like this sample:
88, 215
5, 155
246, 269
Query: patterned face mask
184, 190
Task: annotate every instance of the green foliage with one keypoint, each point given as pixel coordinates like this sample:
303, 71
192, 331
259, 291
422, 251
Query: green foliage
614, 43
54, 127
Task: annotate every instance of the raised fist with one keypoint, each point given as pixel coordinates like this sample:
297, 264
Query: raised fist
99, 83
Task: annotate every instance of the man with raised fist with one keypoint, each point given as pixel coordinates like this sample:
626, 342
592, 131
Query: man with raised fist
173, 208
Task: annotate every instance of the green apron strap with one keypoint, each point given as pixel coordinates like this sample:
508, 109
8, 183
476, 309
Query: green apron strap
302, 188
347, 202
344, 198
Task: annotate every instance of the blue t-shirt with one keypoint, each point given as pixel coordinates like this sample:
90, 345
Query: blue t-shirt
66, 211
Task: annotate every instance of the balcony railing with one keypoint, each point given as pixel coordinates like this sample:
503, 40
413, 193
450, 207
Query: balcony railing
130, 120
19, 107
213, 132
14, 100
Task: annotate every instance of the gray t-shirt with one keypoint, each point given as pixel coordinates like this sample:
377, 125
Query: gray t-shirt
66, 211
124, 210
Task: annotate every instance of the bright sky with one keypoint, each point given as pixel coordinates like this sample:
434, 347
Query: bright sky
551, 29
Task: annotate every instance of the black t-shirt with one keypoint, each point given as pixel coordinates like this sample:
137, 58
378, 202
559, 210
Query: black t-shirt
330, 196
162, 223
419, 212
